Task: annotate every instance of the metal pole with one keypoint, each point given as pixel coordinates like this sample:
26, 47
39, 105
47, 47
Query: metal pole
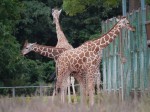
145, 75
40, 90
13, 92
121, 68
143, 4
124, 13
124, 8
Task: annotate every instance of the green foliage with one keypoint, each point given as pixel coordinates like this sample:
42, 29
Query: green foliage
16, 70
72, 7
9, 14
36, 71
148, 2
35, 19
9, 47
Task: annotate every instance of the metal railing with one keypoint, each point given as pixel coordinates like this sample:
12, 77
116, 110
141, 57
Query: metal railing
30, 90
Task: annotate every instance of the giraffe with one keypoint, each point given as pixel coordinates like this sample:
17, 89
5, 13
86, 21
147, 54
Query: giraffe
84, 58
63, 43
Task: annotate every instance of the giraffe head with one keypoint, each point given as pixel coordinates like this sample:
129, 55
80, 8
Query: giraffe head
27, 47
55, 14
124, 23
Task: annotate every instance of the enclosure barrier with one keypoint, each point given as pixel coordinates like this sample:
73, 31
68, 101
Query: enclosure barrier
126, 61
30, 91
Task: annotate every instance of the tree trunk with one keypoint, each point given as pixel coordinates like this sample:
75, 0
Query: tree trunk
134, 4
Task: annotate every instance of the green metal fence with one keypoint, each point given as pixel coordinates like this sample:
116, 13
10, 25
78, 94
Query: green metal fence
126, 62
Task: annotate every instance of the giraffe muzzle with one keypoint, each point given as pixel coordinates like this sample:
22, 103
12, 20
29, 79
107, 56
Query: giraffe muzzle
22, 53
133, 29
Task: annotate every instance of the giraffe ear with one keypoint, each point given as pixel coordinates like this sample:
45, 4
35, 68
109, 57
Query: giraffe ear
117, 19
26, 42
60, 11
33, 43
52, 10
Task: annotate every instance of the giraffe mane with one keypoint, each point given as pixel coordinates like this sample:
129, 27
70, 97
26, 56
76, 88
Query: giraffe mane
49, 46
103, 34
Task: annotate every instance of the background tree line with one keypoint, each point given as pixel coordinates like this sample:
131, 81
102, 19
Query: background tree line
31, 20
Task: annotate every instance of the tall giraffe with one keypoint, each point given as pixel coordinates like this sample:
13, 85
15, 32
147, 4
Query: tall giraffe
84, 58
63, 43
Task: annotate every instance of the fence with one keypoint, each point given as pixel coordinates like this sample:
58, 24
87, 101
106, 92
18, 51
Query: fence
126, 61
26, 90
30, 90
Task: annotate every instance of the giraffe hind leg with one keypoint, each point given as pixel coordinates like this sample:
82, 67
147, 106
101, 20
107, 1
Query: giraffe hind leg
61, 83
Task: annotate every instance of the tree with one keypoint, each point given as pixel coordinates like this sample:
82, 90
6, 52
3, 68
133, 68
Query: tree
148, 2
72, 7
9, 48
14, 68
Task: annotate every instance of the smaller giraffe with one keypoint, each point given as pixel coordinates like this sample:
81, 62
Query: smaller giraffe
84, 58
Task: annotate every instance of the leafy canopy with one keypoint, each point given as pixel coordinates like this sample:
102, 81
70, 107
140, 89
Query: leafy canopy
72, 7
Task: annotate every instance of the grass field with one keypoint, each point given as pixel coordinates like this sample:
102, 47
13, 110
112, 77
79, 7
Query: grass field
106, 103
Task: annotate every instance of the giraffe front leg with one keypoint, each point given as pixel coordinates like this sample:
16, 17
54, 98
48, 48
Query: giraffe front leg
82, 81
98, 80
65, 90
73, 88
68, 88
91, 85
91, 91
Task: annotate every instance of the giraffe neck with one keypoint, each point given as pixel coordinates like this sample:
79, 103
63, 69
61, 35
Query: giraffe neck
110, 36
60, 35
106, 39
47, 51
62, 40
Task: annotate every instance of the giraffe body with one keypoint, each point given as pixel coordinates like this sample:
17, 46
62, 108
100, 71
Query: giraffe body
84, 58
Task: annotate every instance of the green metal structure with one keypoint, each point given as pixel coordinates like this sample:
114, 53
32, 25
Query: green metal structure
126, 61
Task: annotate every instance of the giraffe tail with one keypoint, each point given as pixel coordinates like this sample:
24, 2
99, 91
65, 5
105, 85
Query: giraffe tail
53, 77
